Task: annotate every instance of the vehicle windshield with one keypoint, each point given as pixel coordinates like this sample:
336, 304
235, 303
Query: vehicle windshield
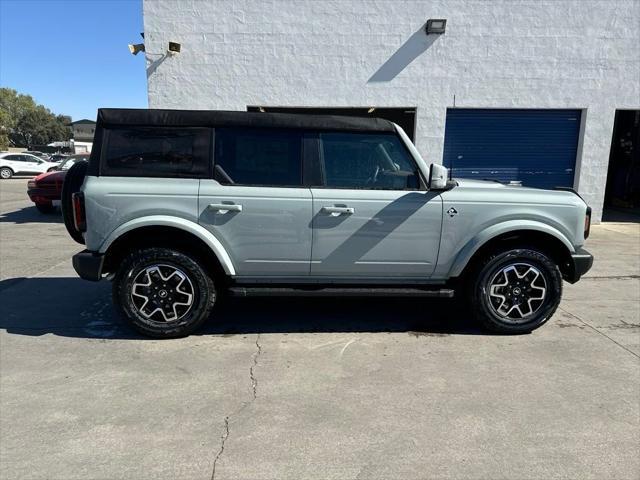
68, 162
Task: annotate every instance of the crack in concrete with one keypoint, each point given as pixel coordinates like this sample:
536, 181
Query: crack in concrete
599, 331
611, 277
223, 439
254, 395
254, 380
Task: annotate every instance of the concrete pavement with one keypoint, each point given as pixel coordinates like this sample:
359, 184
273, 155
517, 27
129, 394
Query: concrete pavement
292, 388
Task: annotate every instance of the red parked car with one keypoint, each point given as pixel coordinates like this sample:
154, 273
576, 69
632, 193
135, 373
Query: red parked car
45, 190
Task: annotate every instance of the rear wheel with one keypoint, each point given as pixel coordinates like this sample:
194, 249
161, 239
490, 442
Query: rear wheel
45, 207
6, 173
516, 291
164, 293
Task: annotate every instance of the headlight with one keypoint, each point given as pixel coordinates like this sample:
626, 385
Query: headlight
31, 184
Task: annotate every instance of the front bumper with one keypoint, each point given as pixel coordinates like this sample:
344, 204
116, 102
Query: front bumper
43, 194
88, 265
580, 263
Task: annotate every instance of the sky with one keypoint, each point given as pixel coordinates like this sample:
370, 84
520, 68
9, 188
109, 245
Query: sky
72, 55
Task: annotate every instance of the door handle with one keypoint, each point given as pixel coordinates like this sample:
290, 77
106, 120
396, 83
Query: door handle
225, 207
338, 210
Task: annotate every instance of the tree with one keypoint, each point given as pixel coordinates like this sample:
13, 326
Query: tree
4, 130
24, 123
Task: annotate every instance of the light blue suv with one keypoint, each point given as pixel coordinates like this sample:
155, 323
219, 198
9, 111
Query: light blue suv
177, 206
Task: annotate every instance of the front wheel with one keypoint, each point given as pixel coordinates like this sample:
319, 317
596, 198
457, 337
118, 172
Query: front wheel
163, 293
516, 291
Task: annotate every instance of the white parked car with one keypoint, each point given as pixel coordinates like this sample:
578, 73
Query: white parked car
22, 164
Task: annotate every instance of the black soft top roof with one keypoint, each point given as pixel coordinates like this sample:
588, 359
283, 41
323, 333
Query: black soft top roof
113, 117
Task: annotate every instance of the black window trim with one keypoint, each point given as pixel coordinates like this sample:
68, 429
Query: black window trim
303, 183
422, 184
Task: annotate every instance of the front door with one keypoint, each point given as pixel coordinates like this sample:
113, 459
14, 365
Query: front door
32, 164
373, 218
256, 205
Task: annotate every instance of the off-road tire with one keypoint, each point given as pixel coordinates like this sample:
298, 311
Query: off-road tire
72, 182
6, 173
204, 292
45, 208
494, 263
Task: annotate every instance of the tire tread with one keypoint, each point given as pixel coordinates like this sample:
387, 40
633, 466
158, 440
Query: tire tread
525, 253
148, 255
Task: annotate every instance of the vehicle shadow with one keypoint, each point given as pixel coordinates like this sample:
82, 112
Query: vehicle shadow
31, 215
72, 307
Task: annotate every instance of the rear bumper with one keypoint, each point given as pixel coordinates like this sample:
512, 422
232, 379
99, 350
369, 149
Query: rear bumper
580, 263
88, 265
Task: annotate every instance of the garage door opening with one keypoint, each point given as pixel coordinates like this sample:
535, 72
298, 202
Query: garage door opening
403, 116
622, 196
535, 147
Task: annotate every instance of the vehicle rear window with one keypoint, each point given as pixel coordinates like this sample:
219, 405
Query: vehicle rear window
157, 152
367, 161
255, 156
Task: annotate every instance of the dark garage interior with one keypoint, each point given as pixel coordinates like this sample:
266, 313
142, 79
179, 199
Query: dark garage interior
622, 195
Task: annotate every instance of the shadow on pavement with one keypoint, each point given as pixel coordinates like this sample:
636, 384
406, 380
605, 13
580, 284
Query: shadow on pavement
31, 215
72, 307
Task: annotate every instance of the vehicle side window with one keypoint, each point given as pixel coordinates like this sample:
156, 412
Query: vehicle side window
367, 161
14, 158
157, 152
255, 156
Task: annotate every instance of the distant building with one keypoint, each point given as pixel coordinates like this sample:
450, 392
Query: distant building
83, 131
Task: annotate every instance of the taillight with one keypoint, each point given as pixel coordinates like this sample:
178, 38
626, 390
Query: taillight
587, 223
79, 217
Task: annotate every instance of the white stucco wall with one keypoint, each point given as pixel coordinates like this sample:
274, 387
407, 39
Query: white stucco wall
581, 54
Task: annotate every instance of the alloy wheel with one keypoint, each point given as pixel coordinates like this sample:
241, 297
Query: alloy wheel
517, 291
162, 293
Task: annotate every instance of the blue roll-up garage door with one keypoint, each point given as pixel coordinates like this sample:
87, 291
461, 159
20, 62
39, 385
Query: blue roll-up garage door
537, 147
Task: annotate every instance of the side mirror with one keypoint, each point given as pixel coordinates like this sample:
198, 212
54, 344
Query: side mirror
438, 177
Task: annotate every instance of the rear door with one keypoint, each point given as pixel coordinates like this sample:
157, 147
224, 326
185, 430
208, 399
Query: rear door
256, 203
373, 217
13, 162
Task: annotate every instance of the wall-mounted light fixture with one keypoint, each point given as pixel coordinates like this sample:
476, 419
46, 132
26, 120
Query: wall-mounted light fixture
436, 25
136, 48
174, 48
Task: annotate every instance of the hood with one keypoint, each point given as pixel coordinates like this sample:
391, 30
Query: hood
50, 177
495, 190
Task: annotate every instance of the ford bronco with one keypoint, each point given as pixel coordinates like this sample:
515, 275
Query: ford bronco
176, 207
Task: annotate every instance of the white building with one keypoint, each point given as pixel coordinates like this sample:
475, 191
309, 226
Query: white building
513, 89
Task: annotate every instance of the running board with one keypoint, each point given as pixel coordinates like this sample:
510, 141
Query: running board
339, 292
